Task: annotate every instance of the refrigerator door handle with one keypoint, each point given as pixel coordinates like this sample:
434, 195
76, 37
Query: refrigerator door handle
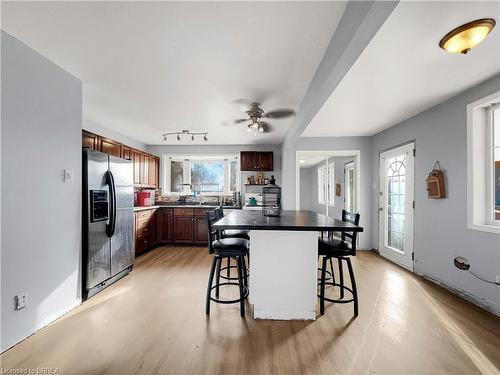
110, 226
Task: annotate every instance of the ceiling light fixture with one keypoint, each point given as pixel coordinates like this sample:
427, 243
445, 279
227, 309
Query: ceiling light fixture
261, 129
181, 133
465, 37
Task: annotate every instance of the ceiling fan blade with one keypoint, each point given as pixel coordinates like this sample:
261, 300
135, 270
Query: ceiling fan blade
234, 122
280, 113
243, 104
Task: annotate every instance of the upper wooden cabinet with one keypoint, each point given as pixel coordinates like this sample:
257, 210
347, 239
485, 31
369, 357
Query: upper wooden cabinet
259, 161
146, 167
110, 147
90, 140
126, 152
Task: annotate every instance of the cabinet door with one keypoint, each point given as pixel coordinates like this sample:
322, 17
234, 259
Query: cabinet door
89, 140
137, 164
145, 169
126, 152
153, 172
165, 229
183, 229
200, 230
264, 161
247, 161
110, 147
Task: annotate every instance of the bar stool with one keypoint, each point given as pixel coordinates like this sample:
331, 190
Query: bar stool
230, 233
225, 248
342, 250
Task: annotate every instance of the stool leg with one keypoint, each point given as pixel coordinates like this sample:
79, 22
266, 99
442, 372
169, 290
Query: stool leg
341, 275
217, 277
331, 269
245, 276
240, 284
322, 287
210, 280
353, 286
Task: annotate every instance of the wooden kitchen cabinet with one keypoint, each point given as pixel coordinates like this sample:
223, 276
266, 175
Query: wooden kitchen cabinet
146, 167
90, 140
183, 229
153, 171
145, 226
256, 161
200, 230
165, 223
126, 152
136, 157
110, 147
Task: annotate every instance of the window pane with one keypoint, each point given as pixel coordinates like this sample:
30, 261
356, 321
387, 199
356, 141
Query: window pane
176, 172
496, 154
233, 174
207, 176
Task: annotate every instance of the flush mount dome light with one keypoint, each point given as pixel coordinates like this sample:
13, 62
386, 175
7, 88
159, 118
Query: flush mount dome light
465, 37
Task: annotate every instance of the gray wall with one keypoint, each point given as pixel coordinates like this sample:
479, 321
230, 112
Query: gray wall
41, 225
100, 129
224, 149
332, 143
440, 225
310, 185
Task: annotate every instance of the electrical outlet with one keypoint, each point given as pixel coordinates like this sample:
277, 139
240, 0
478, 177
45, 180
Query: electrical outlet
21, 300
68, 175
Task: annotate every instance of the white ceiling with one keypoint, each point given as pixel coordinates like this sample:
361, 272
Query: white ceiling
403, 71
155, 67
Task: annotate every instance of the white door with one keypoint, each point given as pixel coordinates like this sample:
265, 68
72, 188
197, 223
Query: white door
349, 187
396, 205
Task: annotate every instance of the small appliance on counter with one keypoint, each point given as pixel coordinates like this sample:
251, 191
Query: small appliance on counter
145, 198
271, 201
253, 201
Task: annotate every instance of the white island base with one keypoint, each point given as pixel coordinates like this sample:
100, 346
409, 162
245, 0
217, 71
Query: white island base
283, 274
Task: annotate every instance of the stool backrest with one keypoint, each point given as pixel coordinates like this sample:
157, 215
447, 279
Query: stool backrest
353, 218
219, 212
213, 234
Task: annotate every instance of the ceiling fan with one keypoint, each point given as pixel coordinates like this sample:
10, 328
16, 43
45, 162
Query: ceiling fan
255, 114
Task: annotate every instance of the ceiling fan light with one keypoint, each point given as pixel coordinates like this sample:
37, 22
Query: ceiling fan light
467, 36
178, 137
261, 129
249, 128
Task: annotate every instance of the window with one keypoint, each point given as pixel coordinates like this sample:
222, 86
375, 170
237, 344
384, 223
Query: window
483, 164
326, 185
349, 187
201, 174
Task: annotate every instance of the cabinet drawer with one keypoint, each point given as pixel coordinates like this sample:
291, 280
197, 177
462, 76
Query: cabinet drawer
143, 242
200, 212
140, 231
184, 212
144, 214
141, 223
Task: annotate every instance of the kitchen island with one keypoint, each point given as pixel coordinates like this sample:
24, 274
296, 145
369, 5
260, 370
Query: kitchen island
283, 260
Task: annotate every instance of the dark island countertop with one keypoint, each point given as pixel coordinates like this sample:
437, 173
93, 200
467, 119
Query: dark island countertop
289, 220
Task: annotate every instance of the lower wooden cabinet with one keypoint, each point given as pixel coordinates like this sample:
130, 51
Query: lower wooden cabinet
156, 226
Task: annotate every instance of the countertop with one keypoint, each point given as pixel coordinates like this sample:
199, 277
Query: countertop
208, 207
289, 220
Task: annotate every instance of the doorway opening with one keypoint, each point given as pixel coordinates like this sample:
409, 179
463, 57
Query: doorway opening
327, 181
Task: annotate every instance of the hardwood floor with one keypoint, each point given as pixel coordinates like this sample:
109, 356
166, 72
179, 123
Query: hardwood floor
153, 322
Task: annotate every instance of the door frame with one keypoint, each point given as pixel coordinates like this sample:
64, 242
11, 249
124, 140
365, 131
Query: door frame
355, 184
381, 235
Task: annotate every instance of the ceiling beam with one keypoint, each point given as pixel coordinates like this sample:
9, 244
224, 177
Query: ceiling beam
359, 24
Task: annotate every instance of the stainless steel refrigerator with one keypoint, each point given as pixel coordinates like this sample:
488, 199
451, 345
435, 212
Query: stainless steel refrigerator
108, 220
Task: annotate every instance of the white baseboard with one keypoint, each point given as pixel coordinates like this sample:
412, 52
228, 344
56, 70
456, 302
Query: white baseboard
483, 303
